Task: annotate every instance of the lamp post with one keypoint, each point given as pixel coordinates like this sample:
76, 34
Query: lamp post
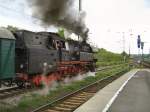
130, 41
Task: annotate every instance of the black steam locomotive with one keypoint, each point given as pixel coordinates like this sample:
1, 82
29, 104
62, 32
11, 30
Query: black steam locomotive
36, 56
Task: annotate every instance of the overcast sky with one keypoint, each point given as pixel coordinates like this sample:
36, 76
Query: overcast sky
108, 21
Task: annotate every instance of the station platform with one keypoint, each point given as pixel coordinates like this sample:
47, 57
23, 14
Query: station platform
129, 93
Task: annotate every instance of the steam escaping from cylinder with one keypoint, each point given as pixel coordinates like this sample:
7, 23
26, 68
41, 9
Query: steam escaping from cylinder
60, 13
47, 86
78, 77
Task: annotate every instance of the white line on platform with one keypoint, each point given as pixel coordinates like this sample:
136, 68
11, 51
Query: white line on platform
116, 94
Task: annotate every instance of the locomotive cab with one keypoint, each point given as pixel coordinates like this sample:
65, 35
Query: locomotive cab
33, 52
59, 46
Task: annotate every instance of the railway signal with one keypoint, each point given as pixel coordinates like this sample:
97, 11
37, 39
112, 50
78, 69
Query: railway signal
139, 45
139, 42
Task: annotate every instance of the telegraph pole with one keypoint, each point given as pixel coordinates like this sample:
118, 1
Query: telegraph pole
123, 36
80, 5
130, 33
123, 41
80, 9
129, 49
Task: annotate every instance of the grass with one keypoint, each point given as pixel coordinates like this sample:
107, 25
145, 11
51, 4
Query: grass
101, 63
28, 103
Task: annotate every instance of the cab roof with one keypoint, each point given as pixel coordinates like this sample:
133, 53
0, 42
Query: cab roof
6, 34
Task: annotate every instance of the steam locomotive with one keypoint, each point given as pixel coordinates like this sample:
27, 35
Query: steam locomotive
34, 57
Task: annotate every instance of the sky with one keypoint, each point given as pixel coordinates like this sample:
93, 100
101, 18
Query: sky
111, 22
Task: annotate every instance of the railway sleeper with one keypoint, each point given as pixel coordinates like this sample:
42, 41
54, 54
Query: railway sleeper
86, 94
63, 109
76, 101
81, 96
51, 110
1, 94
76, 98
6, 92
92, 91
12, 91
89, 93
67, 105
72, 103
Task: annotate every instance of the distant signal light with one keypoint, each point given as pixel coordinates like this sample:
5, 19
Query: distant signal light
139, 41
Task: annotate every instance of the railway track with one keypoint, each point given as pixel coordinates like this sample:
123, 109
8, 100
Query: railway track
73, 100
14, 91
4, 93
107, 67
146, 64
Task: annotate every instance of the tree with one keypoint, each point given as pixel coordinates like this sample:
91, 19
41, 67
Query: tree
124, 53
107, 56
12, 28
61, 33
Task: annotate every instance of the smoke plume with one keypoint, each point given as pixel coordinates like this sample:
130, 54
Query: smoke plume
60, 13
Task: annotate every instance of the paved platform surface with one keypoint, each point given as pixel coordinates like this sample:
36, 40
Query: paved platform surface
102, 100
135, 97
